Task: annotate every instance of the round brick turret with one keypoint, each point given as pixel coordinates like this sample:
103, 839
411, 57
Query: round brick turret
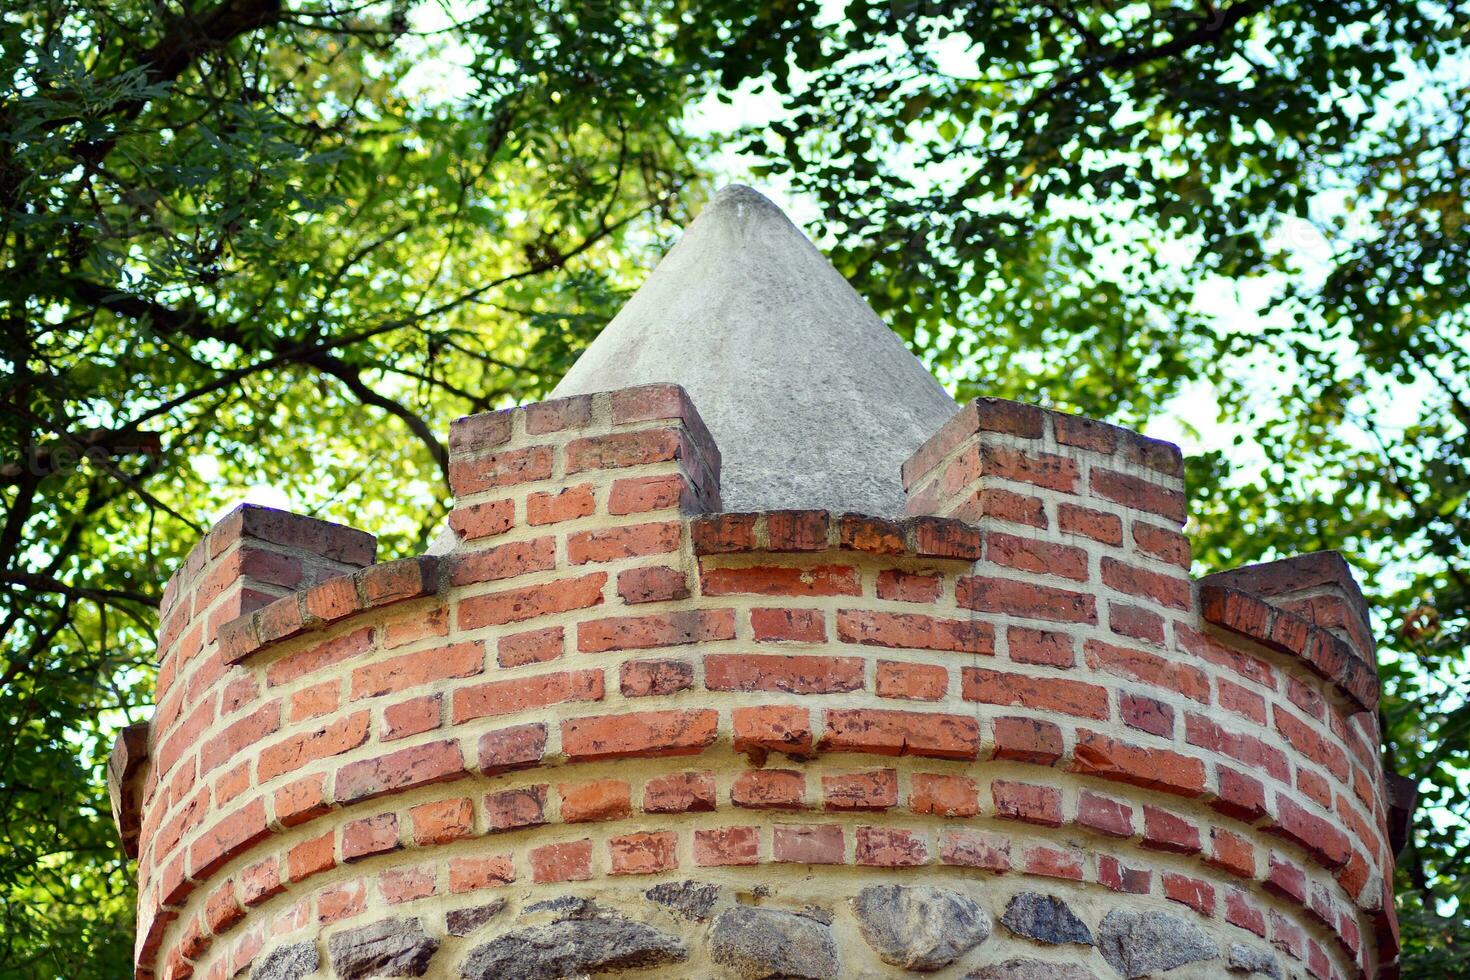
617, 731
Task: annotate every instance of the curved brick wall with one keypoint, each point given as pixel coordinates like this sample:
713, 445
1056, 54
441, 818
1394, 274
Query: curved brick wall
729, 731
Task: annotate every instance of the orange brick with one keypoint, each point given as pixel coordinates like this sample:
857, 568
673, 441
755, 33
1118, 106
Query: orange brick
890, 847
473, 873
769, 789
530, 647
369, 836
442, 821
943, 796
639, 495
1042, 693
726, 846
1025, 599
877, 790
775, 728
788, 625
412, 717
467, 476
655, 678
553, 507
598, 799
617, 543
819, 580
643, 853
915, 631
529, 602
526, 693
1160, 769
290, 754
881, 732
571, 861
975, 849
659, 630
314, 701
656, 583
1031, 646
647, 734
680, 792
312, 857
1095, 524
417, 669
1030, 555
1233, 853
902, 586
913, 682
807, 844
483, 520
787, 674
504, 561
1028, 740
1165, 831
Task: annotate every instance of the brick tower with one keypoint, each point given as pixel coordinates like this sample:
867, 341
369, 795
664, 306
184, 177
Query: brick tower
931, 691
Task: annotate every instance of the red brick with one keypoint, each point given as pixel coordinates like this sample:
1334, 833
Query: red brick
975, 849
902, 586
1005, 505
943, 796
503, 469
334, 599
1166, 590
1146, 714
1162, 543
301, 800
1095, 524
1030, 555
644, 735
680, 792
657, 583
530, 647
818, 580
1031, 646
1042, 693
473, 873
1306, 698
1314, 787
726, 846
1239, 795
639, 495
525, 694
512, 809
222, 911
1148, 668
315, 701
1285, 880
1041, 805
890, 847
1112, 818
718, 534
797, 530
412, 717
418, 624
769, 789
1198, 895
1041, 469
1239, 911
1160, 769
401, 885
1246, 703
622, 449
417, 669
1165, 831
1085, 433
341, 902
260, 881
597, 799
238, 737
571, 861
659, 630
796, 625
1231, 852
1138, 494
913, 682
290, 754
617, 543
643, 853
558, 414
807, 844
442, 821
1327, 845
1135, 622
518, 605
475, 433
1004, 596
369, 836
420, 765
504, 561
936, 736
650, 678
1052, 862
1309, 743
555, 506
485, 520
945, 537
1201, 731
787, 674
873, 535
312, 857
1111, 873
397, 580
914, 630
776, 728
315, 658
877, 790
1027, 740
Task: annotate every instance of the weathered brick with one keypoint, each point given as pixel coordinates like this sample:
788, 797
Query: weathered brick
647, 734
643, 853
1030, 555
558, 414
1130, 491
659, 630
1025, 599
368, 836
597, 799
680, 792
976, 849
641, 494
654, 678
890, 847
797, 530
902, 586
1028, 740
503, 469
419, 765
807, 844
570, 861
769, 789
718, 534
1095, 524
1198, 895
290, 754
412, 717
301, 800
1033, 646
1041, 805
726, 846
473, 873
793, 625
1146, 714
1046, 694
485, 520
915, 631
616, 543
312, 857
1239, 796
622, 449
529, 602
530, 647
1154, 586
416, 669
442, 821
320, 656
525, 694
1199, 730
939, 795
400, 885
1052, 862
876, 790
777, 728
315, 701
788, 674
1111, 873
882, 732
503, 561
1162, 543
873, 535
816, 580
1166, 831
1134, 621
1045, 470
1161, 769
512, 809
656, 583
1231, 852
913, 682
1148, 668
1109, 817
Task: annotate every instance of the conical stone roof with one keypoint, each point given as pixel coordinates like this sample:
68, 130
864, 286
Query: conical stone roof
813, 401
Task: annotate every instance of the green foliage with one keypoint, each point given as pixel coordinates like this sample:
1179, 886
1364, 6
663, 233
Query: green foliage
245, 248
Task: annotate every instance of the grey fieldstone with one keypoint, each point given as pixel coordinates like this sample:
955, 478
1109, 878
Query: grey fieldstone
1248, 959
389, 948
288, 963
572, 948
919, 928
1024, 968
1046, 919
693, 900
462, 922
759, 943
1138, 944
565, 907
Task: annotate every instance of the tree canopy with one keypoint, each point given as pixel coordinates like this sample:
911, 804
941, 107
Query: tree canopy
256, 243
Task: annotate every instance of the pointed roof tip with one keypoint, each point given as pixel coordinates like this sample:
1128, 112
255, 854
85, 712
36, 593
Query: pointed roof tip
812, 400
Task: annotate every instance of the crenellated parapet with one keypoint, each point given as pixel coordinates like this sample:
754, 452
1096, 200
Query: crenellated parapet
615, 728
